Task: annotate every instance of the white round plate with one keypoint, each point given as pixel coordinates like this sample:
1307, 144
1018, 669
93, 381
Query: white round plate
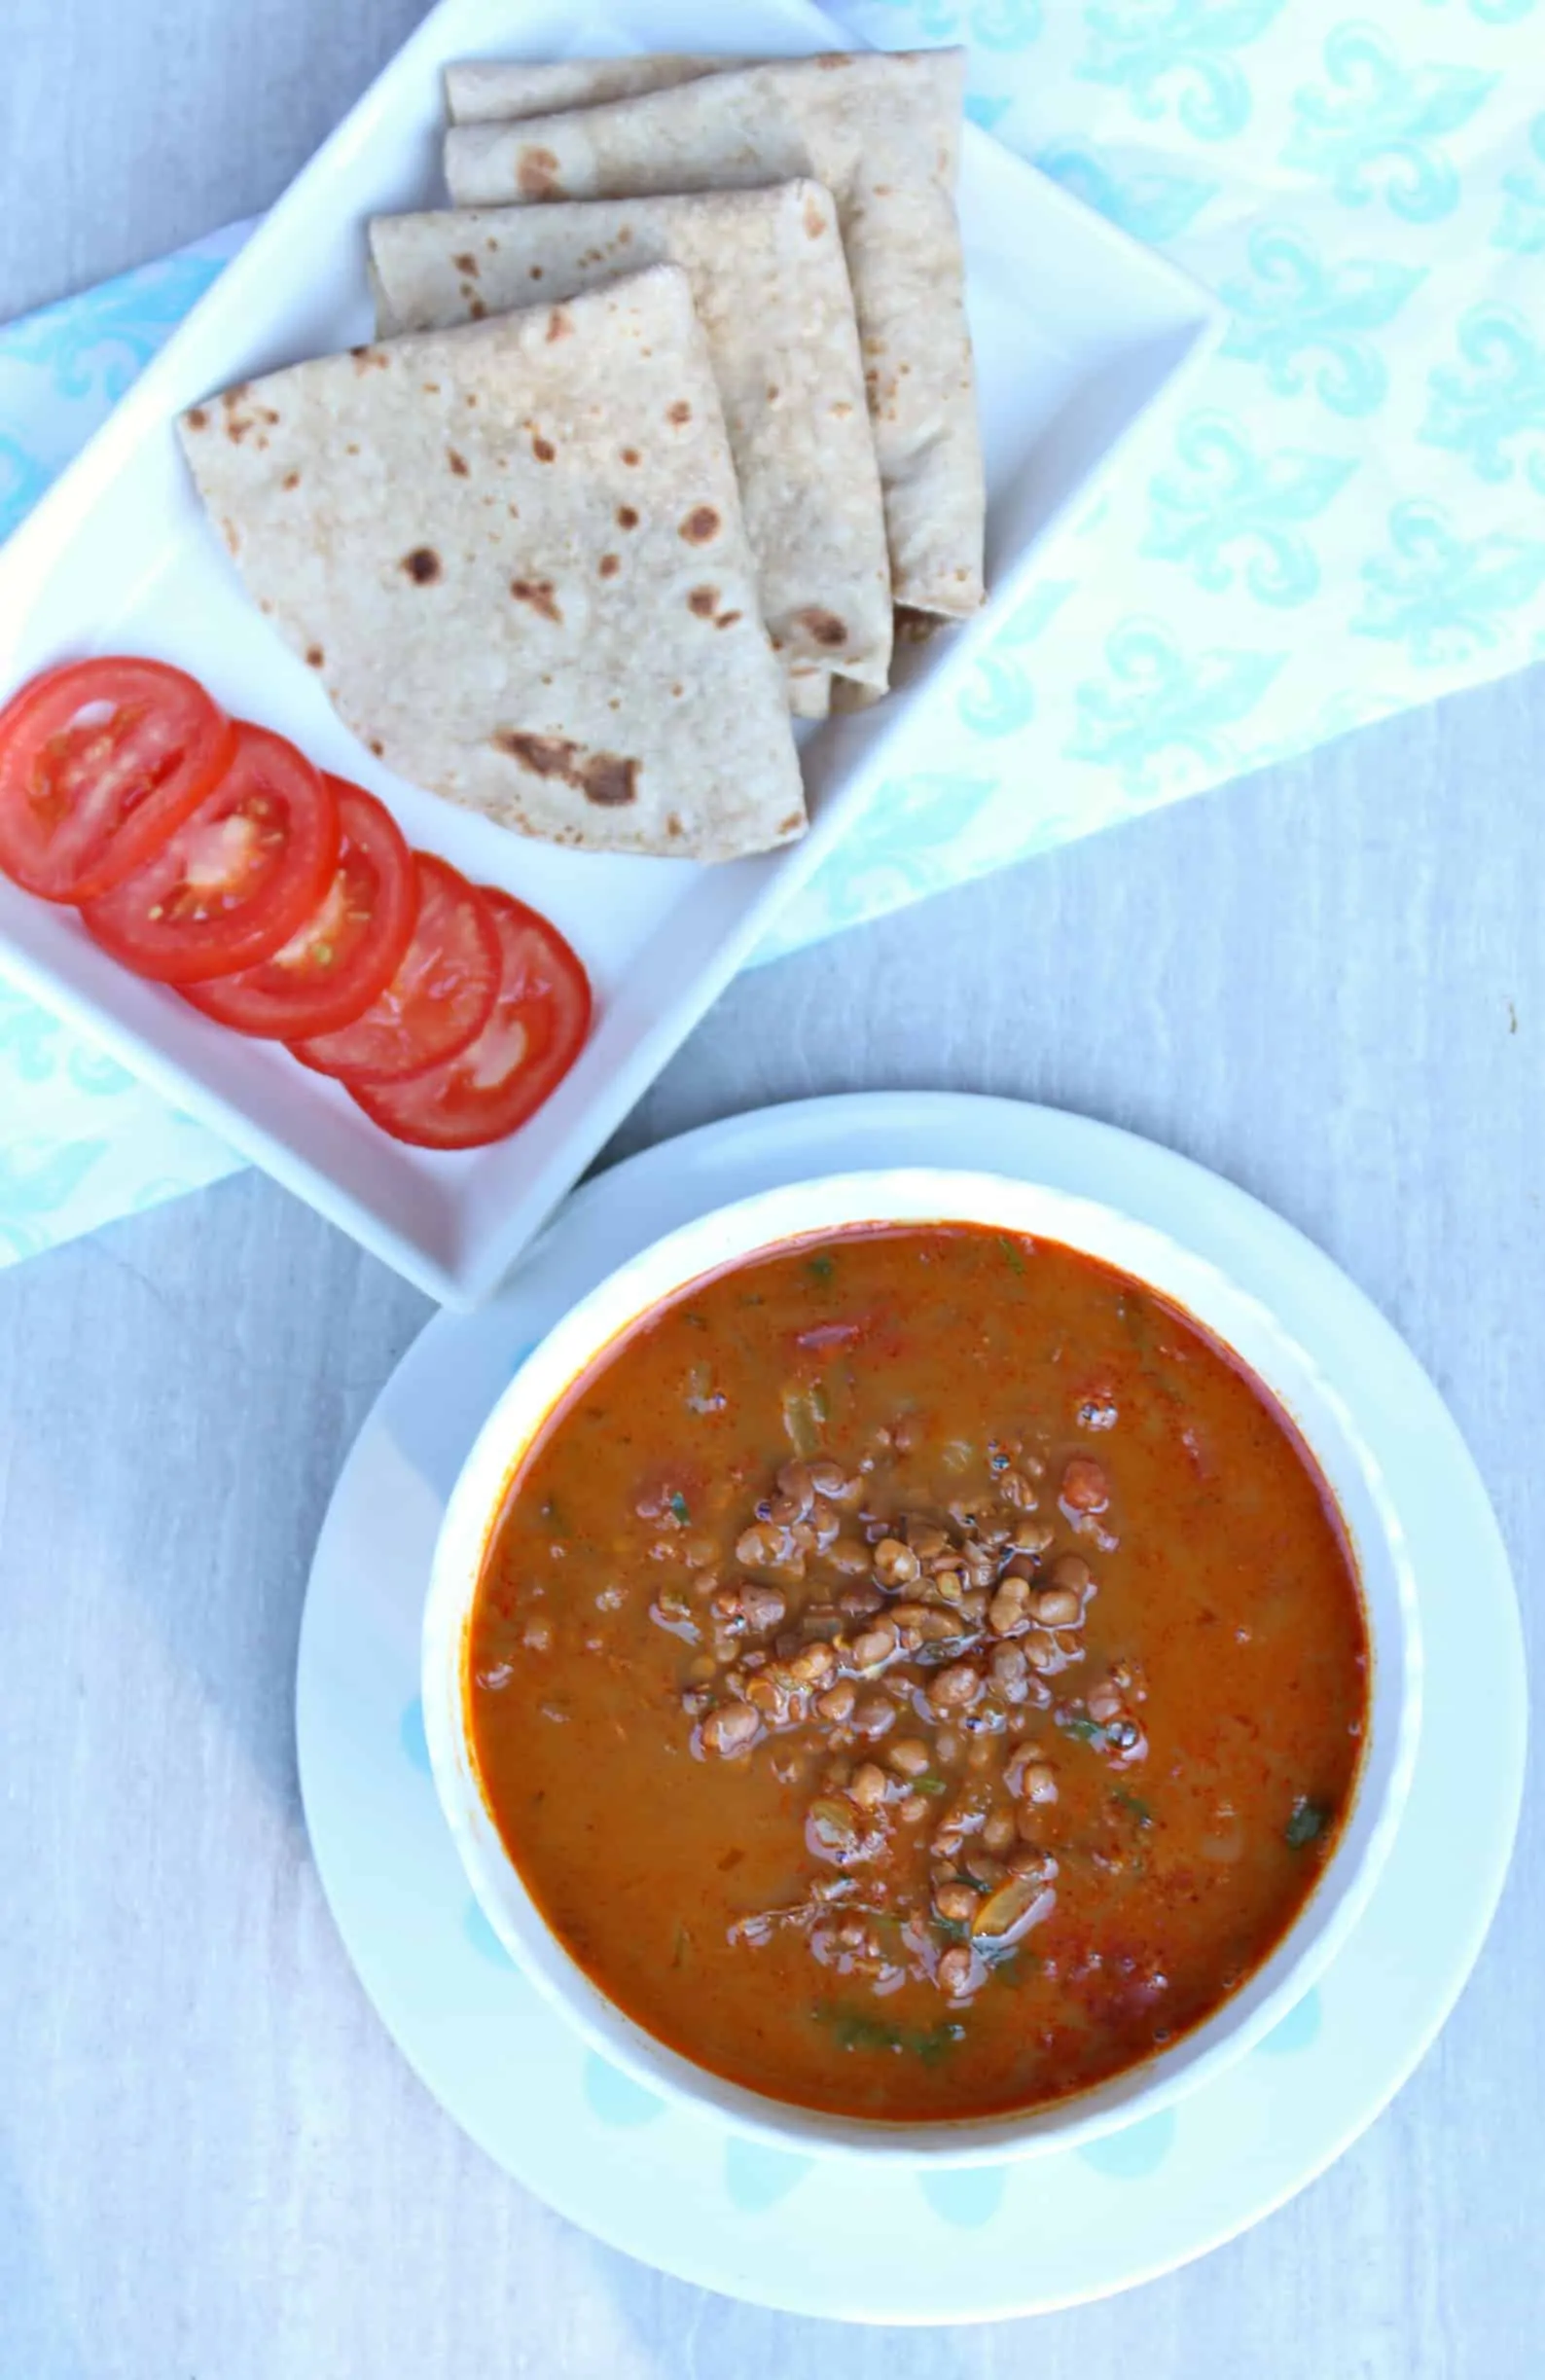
788, 2231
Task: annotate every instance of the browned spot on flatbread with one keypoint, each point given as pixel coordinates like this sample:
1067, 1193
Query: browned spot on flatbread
625, 234
198, 418
423, 565
477, 309
814, 219
466, 262
674, 826
704, 601
679, 413
728, 619
231, 535
378, 748
610, 565
792, 823
823, 626
536, 273
457, 462
538, 592
291, 479
536, 174
627, 518
431, 388
370, 359
543, 449
560, 325
315, 656
833, 57
701, 526
841, 409
606, 778
631, 457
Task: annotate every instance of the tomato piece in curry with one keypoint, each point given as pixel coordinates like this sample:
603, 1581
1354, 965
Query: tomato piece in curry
918, 1673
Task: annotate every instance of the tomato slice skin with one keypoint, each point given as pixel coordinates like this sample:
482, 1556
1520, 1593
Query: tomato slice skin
541, 1016
438, 1001
83, 804
236, 879
345, 952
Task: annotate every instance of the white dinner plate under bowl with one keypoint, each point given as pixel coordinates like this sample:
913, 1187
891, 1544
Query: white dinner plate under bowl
678, 2190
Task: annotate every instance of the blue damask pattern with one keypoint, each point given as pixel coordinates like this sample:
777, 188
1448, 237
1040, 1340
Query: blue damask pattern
1297, 305
1482, 407
1445, 597
1378, 130
1179, 53
1331, 528
1226, 496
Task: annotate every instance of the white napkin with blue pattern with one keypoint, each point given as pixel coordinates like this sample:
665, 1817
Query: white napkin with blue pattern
1348, 520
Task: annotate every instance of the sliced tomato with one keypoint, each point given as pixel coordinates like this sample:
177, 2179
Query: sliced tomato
541, 1015
98, 762
439, 997
346, 951
234, 881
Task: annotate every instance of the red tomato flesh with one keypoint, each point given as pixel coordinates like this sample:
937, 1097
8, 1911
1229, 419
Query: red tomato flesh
237, 879
99, 761
345, 952
540, 1018
439, 997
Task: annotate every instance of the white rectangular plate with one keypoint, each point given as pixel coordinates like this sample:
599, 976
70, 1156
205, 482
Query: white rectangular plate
1078, 332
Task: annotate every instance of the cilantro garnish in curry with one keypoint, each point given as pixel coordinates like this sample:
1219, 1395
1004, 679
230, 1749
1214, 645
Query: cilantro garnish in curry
946, 1682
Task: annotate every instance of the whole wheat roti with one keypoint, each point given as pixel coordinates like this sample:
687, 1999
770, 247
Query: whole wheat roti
769, 283
514, 554
497, 91
881, 131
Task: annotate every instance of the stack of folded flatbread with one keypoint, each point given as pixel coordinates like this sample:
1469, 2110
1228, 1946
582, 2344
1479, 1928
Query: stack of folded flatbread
667, 415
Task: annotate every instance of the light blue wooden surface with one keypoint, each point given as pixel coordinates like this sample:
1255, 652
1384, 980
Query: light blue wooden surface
1329, 982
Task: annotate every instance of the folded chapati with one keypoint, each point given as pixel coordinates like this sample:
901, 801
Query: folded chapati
770, 287
513, 554
496, 90
881, 131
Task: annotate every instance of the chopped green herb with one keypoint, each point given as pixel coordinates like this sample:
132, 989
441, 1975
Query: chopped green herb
1014, 1254
1087, 1731
680, 1508
323, 954
929, 1785
1135, 1804
823, 1267
1309, 1819
857, 2029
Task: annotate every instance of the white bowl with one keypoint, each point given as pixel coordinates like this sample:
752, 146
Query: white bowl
734, 1234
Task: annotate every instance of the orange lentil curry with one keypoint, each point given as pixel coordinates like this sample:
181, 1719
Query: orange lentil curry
918, 1674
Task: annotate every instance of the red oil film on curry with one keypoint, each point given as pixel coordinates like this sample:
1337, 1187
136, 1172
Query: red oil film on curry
918, 1673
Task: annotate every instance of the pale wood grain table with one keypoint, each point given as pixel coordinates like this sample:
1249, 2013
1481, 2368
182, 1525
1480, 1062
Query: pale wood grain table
1328, 983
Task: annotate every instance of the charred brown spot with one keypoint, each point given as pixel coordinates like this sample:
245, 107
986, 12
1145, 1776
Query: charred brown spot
558, 325
792, 823
292, 479
674, 826
536, 174
627, 518
231, 535
728, 619
370, 359
625, 234
423, 565
701, 525
814, 220
378, 748
477, 309
543, 449
603, 777
536, 273
631, 457
431, 388
610, 565
315, 656
679, 413
824, 626
457, 462
830, 58
538, 592
197, 420
704, 601
467, 264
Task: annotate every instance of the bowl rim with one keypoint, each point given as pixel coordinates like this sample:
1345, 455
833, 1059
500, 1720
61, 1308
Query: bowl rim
741, 1232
